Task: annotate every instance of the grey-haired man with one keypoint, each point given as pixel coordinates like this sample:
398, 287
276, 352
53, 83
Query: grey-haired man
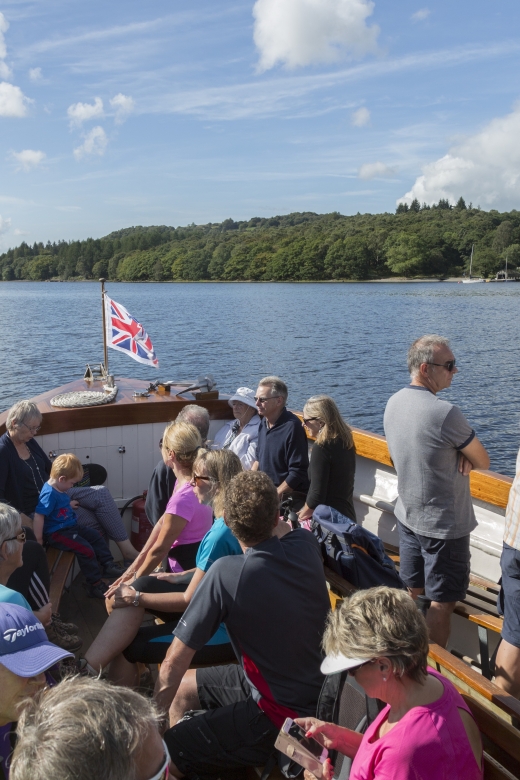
433, 448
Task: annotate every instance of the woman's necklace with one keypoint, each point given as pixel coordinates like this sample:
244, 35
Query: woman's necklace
31, 457
232, 434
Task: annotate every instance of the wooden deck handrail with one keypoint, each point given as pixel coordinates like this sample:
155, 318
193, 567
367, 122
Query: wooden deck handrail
470, 681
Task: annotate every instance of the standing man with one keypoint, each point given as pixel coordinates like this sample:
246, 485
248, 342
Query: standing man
433, 448
282, 450
507, 663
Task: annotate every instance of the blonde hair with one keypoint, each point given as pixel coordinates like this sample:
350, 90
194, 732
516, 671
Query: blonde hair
67, 466
334, 426
184, 440
380, 622
20, 412
221, 467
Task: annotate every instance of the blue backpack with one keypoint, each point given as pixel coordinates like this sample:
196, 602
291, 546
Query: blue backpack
351, 551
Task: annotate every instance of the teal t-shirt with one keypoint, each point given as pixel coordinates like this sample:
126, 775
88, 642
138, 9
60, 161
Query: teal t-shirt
218, 542
9, 596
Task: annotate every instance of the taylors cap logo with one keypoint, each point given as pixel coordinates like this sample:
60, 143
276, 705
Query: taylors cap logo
12, 634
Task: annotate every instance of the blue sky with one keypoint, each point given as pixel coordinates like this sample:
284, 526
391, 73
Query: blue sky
125, 113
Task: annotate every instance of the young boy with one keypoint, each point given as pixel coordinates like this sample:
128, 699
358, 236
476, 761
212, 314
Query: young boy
56, 524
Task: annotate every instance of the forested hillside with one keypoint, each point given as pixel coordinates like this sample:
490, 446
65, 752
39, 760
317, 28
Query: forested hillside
415, 241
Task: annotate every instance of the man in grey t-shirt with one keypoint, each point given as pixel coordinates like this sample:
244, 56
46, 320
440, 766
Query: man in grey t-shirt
433, 448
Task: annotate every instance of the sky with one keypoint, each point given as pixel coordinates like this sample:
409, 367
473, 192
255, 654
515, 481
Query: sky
171, 113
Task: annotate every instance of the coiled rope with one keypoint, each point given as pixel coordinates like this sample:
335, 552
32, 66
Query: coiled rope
83, 398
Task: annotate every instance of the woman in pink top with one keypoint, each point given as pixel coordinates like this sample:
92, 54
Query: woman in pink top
427, 731
185, 522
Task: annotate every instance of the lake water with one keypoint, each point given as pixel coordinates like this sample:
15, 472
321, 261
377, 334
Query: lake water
347, 340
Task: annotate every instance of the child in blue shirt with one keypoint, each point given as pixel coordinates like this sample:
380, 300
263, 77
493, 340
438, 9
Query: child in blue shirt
56, 524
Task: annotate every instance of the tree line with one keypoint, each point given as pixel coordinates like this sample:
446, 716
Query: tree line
416, 241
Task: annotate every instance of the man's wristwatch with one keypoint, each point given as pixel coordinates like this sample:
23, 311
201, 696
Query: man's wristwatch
135, 602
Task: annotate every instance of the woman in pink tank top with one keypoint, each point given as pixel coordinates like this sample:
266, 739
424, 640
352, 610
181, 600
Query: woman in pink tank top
426, 731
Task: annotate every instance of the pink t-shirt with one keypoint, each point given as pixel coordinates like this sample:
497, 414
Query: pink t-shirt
199, 517
428, 743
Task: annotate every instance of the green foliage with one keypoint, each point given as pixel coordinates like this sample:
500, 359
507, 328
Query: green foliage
416, 240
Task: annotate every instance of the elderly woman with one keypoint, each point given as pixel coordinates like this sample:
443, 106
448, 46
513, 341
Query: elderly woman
241, 434
24, 468
333, 459
168, 595
25, 580
427, 730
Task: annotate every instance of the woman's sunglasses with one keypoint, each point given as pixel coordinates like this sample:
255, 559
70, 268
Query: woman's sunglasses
21, 537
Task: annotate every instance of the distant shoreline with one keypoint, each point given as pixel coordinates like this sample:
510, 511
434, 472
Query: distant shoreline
392, 280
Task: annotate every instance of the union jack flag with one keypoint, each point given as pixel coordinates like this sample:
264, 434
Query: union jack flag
127, 335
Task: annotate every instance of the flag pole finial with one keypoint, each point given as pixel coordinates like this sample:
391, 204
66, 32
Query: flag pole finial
105, 347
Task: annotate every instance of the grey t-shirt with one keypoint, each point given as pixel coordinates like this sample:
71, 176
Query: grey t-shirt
424, 435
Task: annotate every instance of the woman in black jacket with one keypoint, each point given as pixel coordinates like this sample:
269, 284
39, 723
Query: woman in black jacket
333, 458
24, 469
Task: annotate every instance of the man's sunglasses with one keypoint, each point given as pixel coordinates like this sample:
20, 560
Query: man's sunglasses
449, 365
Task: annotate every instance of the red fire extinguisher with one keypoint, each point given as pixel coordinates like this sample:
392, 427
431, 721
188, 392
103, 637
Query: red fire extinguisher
141, 526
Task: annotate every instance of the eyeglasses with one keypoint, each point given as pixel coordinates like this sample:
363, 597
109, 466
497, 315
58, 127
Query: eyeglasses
265, 400
449, 365
355, 669
307, 420
32, 428
163, 772
196, 478
21, 537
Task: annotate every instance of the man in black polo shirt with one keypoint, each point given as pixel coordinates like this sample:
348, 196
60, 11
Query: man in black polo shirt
282, 450
273, 601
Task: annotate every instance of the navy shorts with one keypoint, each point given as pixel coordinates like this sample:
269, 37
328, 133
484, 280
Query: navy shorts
510, 563
440, 566
230, 736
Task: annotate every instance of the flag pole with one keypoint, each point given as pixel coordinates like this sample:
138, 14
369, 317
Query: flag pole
105, 348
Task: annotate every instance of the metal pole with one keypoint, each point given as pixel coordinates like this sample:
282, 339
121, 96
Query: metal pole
105, 347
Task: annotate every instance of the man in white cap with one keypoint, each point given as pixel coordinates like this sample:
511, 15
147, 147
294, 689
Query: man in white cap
241, 434
25, 654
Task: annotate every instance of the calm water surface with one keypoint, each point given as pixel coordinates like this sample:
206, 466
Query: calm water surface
348, 340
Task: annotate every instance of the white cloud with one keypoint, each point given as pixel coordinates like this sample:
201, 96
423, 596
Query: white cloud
35, 74
12, 101
361, 117
5, 224
19, 232
484, 168
83, 112
5, 70
123, 105
420, 15
375, 170
95, 143
28, 158
301, 32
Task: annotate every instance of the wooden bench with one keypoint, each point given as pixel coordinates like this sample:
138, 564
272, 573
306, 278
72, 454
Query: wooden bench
60, 565
478, 607
496, 712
